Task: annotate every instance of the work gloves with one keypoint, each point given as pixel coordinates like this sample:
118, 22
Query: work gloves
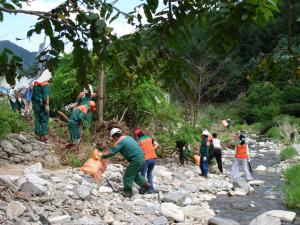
47, 108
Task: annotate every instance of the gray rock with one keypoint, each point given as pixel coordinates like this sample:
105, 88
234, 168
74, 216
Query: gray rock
261, 169
200, 213
172, 211
83, 191
286, 216
8, 183
176, 197
21, 138
243, 184
161, 220
8, 147
59, 219
14, 209
221, 221
35, 168
27, 148
89, 220
265, 219
33, 189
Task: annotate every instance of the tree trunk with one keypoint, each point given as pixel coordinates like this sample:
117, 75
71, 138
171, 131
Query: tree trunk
289, 26
101, 95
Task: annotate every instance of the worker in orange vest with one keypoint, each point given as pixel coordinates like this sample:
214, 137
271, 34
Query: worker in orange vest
241, 156
148, 146
76, 119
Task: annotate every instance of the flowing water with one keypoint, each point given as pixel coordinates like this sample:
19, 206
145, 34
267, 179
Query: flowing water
265, 198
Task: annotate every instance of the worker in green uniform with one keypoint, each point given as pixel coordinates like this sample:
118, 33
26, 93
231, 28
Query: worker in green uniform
82, 99
132, 152
77, 118
40, 104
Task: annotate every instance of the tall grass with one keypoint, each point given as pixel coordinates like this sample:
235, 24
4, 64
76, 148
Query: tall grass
10, 122
291, 186
288, 152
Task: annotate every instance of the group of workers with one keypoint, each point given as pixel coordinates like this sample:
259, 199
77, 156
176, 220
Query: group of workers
139, 151
140, 154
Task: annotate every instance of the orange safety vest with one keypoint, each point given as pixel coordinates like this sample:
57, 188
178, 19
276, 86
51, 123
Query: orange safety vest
83, 109
241, 151
43, 83
148, 148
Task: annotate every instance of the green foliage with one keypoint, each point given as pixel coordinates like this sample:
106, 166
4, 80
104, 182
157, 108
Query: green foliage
73, 160
59, 130
261, 104
11, 122
274, 133
288, 152
291, 186
64, 86
10, 64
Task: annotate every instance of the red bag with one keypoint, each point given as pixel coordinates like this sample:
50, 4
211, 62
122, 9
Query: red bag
94, 166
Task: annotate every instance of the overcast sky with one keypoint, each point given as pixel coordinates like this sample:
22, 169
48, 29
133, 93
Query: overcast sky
16, 26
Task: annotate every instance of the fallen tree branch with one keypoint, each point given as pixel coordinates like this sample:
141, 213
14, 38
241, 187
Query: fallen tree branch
120, 121
63, 116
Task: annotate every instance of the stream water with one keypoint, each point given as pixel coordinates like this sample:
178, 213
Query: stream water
265, 198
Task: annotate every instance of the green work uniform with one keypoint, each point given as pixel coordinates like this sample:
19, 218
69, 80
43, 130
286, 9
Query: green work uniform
75, 122
132, 152
204, 150
40, 93
82, 101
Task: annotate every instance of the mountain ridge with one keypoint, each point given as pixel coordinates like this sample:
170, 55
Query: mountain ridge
27, 56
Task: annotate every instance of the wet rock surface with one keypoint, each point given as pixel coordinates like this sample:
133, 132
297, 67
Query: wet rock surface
267, 194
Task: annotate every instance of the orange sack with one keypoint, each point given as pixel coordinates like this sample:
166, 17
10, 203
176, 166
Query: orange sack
197, 160
94, 166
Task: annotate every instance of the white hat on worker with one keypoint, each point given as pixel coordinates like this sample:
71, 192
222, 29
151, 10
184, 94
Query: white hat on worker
205, 132
115, 131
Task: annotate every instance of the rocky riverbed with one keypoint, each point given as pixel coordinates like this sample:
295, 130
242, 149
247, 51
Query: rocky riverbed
67, 196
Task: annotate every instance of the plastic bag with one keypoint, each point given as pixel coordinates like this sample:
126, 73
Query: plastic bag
225, 123
197, 160
94, 166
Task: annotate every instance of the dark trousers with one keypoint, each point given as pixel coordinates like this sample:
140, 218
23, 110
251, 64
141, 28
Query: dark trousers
204, 165
148, 168
218, 155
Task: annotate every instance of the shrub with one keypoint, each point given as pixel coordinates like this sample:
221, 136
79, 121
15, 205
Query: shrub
73, 160
288, 153
274, 133
291, 186
11, 122
286, 126
261, 104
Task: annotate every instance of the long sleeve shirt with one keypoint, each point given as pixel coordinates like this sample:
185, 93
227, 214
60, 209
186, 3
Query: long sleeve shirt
128, 148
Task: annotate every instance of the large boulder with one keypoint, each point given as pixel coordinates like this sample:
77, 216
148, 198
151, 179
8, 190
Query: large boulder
199, 213
285, 216
265, 219
33, 184
172, 211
